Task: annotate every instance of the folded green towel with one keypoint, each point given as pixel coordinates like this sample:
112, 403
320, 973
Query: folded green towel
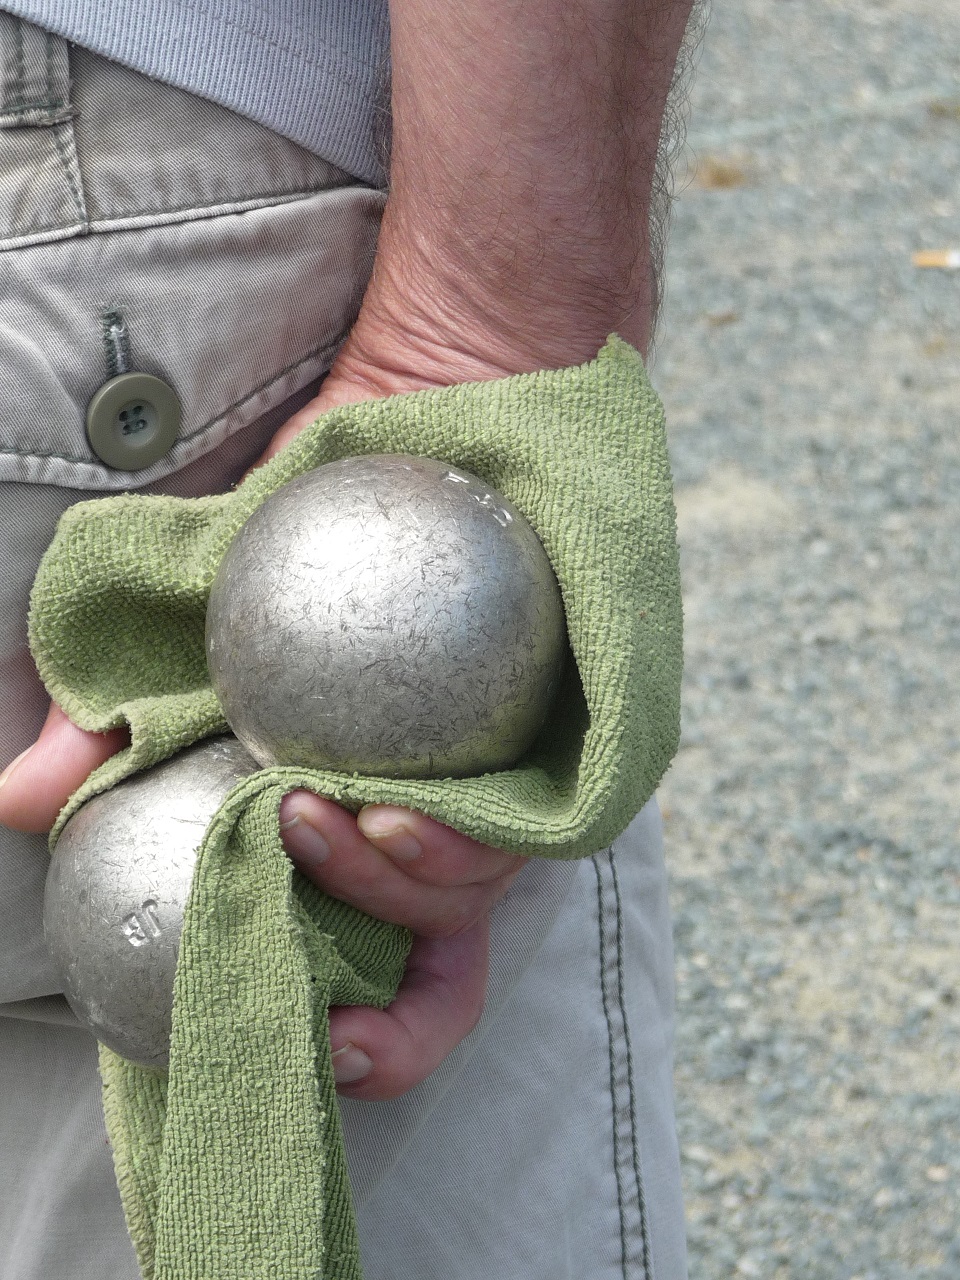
232, 1166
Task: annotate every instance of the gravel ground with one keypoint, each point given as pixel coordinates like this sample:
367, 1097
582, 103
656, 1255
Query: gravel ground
811, 376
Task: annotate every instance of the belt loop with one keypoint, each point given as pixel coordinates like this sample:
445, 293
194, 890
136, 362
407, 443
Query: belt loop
34, 75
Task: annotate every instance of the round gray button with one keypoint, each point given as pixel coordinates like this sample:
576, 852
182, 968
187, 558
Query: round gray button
132, 421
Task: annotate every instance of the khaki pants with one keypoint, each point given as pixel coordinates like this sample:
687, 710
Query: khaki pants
544, 1148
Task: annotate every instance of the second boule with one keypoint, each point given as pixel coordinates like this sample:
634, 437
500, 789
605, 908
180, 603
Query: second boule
386, 615
116, 891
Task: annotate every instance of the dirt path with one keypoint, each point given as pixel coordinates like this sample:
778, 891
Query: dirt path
811, 375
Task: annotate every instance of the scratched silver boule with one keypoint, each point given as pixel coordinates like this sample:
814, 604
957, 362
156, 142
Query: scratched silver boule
116, 891
387, 615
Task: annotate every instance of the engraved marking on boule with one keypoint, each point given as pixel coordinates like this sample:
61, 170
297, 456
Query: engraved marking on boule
142, 926
116, 891
499, 513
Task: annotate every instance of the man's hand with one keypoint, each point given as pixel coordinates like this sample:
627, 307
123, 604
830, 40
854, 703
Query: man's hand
403, 867
399, 866
443, 892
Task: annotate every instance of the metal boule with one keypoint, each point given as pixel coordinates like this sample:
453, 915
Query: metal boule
117, 888
386, 615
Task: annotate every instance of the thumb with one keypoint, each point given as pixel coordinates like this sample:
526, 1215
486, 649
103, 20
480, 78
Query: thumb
36, 786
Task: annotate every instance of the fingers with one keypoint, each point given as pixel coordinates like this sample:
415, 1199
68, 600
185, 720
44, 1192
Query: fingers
406, 868
396, 865
411, 871
380, 1054
36, 786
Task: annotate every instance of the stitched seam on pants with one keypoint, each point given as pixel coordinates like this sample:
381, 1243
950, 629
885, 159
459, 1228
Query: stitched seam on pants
20, 90
610, 1054
65, 141
20, 102
52, 232
326, 348
21, 108
281, 196
164, 217
72, 174
55, 101
644, 1224
49, 51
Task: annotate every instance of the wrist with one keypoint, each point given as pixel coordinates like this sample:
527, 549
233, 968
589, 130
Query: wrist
526, 136
431, 317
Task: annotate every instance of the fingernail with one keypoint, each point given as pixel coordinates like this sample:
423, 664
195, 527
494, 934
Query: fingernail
385, 827
303, 841
13, 766
350, 1064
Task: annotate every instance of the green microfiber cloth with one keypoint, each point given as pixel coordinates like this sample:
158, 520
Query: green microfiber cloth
231, 1167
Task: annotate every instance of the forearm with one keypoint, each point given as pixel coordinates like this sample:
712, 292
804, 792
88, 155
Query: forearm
516, 234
